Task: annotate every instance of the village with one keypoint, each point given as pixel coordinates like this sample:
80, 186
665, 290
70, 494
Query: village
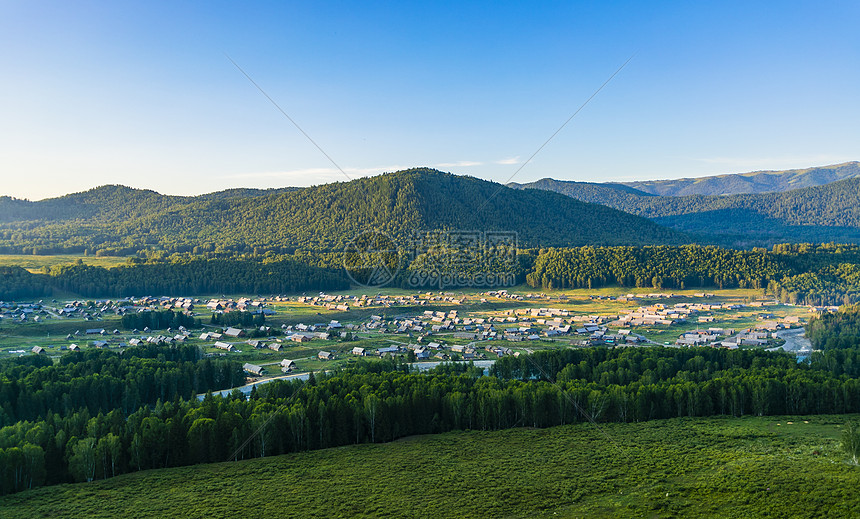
307, 333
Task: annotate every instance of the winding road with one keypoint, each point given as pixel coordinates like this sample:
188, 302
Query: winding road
795, 341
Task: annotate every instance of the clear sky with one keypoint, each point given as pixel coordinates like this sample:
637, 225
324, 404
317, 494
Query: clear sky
142, 94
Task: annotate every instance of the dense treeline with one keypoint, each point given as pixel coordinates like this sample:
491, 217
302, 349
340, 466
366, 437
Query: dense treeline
16, 282
178, 275
830, 285
377, 402
827, 274
158, 320
835, 331
246, 319
116, 220
659, 267
66, 421
641, 384
102, 380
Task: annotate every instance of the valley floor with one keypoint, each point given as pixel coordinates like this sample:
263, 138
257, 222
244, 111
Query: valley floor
703, 467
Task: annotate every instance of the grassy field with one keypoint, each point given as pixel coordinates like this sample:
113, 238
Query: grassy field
35, 263
717, 467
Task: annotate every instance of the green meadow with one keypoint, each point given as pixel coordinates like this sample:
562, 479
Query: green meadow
709, 467
35, 263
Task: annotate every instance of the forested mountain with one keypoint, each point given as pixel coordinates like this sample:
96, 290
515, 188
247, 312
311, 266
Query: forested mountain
613, 195
816, 214
119, 220
754, 182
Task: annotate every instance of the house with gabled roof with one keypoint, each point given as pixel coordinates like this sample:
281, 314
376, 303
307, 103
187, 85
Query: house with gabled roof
253, 368
234, 332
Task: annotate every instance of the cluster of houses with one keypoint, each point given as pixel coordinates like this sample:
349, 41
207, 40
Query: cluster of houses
23, 312
180, 337
86, 310
514, 325
339, 302
325, 331
724, 338
253, 306
286, 366
502, 294
166, 303
345, 302
759, 335
126, 305
435, 350
293, 333
823, 309
662, 314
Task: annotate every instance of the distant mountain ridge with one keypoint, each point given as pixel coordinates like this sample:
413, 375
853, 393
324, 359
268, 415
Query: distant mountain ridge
830, 212
753, 182
718, 185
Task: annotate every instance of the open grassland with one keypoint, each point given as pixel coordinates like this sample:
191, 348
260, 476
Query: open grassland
35, 263
715, 467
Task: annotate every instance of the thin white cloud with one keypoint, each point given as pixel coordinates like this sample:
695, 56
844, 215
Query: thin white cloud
509, 161
459, 164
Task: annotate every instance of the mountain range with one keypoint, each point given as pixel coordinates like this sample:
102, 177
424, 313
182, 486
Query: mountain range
719, 185
821, 213
754, 182
120, 220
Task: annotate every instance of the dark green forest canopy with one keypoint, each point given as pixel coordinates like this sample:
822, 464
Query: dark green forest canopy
826, 274
835, 331
181, 275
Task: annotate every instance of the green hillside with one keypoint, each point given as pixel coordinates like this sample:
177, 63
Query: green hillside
612, 195
119, 220
704, 467
815, 214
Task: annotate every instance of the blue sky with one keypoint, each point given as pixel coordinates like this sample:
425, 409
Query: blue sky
141, 93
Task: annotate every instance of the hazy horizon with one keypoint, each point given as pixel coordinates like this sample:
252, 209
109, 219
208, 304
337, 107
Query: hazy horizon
145, 95
274, 187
